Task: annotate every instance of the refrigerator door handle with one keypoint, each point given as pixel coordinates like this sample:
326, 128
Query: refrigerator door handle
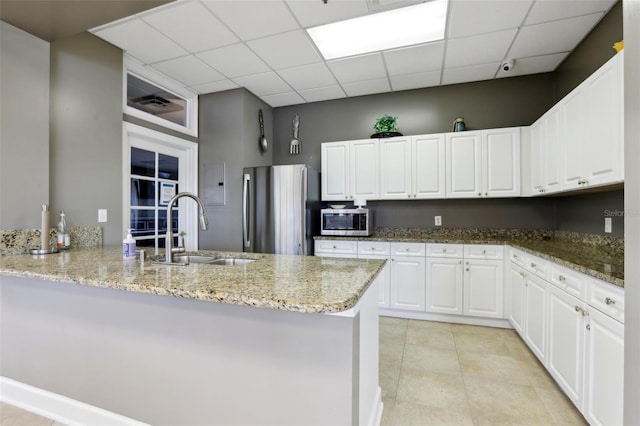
245, 210
303, 219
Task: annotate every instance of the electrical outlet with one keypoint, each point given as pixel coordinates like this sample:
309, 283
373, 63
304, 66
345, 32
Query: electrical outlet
607, 225
438, 220
102, 215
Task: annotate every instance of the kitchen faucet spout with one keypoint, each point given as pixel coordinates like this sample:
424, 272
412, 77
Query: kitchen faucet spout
204, 224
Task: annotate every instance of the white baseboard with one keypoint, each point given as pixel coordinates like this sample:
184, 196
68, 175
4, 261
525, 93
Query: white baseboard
58, 407
456, 319
375, 418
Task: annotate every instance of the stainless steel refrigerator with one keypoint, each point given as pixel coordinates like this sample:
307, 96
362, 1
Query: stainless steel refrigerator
280, 209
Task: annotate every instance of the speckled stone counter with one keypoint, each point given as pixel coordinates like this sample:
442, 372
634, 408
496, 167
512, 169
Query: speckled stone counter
290, 283
595, 255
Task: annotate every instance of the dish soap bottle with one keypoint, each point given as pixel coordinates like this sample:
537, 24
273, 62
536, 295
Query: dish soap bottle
129, 247
64, 239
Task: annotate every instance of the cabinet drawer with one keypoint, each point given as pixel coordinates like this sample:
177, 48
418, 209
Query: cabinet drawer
336, 247
571, 281
538, 266
607, 298
483, 251
376, 248
445, 250
408, 249
518, 257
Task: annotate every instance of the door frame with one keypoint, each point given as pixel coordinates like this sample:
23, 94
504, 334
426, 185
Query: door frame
187, 175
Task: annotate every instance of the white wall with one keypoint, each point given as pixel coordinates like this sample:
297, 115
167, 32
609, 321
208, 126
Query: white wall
24, 128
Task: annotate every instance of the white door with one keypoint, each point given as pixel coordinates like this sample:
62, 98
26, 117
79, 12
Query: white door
335, 170
427, 165
395, 168
365, 167
516, 282
573, 136
483, 288
444, 286
536, 133
407, 283
552, 152
156, 167
535, 311
501, 162
566, 343
463, 165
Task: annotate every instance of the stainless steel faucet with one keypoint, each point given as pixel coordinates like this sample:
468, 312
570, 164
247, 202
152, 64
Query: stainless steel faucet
168, 245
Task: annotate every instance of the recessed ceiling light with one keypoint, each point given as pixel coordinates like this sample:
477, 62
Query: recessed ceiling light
421, 23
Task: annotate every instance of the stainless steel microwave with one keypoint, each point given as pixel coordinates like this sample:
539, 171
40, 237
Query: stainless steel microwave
346, 222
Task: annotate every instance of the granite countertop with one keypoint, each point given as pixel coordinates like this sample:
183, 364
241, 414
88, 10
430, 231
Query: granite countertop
291, 283
590, 255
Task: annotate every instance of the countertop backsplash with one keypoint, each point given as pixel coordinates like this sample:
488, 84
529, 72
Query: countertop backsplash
22, 240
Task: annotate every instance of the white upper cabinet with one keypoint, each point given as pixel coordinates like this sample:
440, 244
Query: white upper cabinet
412, 167
483, 163
551, 154
350, 170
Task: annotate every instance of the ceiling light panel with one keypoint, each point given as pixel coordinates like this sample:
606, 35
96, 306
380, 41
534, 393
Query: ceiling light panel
421, 23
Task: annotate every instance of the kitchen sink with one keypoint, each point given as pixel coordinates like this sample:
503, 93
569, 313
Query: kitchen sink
211, 260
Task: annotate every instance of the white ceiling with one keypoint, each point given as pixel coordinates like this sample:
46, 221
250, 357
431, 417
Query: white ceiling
214, 45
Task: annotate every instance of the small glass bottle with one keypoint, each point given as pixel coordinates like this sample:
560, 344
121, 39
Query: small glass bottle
64, 239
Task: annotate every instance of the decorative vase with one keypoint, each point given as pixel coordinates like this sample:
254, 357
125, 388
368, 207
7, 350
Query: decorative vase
385, 135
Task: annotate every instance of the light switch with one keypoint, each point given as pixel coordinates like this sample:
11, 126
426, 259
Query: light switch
102, 215
607, 225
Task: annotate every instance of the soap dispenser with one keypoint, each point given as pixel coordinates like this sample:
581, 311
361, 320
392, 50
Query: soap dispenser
129, 247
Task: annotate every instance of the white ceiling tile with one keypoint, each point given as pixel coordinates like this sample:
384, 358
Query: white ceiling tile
367, 87
141, 41
286, 50
268, 83
189, 70
283, 99
415, 81
251, 19
468, 74
234, 61
218, 86
308, 76
410, 60
480, 49
534, 65
311, 13
553, 10
495, 15
552, 37
177, 23
322, 93
366, 67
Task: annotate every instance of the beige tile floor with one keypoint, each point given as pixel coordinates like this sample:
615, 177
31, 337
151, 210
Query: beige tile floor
444, 374
451, 374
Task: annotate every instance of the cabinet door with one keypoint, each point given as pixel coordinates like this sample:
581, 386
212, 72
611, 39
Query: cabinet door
535, 153
604, 370
516, 283
566, 343
444, 286
551, 152
483, 288
365, 166
604, 111
335, 170
501, 162
395, 169
428, 171
383, 280
407, 283
574, 133
463, 165
535, 312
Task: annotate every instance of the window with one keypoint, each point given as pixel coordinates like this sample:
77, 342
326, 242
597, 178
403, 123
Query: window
158, 99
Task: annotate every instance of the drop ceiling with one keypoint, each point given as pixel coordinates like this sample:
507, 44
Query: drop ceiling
212, 45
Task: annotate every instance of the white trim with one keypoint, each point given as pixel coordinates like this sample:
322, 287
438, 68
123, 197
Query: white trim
158, 79
57, 407
188, 175
375, 417
455, 319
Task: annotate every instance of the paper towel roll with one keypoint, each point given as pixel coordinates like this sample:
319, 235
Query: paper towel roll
44, 228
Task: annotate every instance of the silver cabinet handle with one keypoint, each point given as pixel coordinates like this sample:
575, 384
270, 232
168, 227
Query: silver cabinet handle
609, 301
533, 265
522, 274
444, 250
561, 278
334, 247
582, 311
588, 327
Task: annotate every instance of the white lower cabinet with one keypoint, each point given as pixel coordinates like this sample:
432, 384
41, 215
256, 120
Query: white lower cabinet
444, 285
378, 250
573, 324
407, 276
483, 288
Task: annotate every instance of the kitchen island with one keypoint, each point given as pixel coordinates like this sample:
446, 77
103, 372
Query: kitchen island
287, 339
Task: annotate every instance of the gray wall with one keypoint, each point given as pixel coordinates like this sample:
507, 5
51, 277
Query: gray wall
586, 213
24, 128
86, 132
631, 12
229, 134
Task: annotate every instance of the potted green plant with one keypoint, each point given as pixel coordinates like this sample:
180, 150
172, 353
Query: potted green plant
385, 127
